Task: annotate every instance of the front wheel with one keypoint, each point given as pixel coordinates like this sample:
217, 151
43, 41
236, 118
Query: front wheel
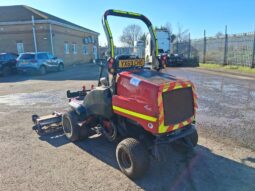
71, 128
70, 125
132, 157
61, 67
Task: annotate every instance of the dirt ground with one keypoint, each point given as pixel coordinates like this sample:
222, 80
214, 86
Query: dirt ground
223, 160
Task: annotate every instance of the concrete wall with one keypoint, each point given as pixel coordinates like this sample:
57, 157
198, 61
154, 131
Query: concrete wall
12, 34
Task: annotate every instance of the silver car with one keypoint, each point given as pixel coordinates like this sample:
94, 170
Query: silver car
41, 62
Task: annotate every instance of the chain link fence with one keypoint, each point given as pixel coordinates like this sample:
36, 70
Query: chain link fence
235, 49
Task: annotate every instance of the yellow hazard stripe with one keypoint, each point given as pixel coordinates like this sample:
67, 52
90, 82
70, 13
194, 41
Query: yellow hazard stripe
135, 114
119, 11
135, 14
165, 88
125, 12
162, 128
111, 39
108, 28
176, 126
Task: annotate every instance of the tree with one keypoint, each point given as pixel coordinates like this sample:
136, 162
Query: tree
168, 26
182, 34
143, 37
219, 34
130, 34
173, 37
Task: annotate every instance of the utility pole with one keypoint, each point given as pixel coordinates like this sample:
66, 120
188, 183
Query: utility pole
34, 35
189, 51
204, 54
226, 46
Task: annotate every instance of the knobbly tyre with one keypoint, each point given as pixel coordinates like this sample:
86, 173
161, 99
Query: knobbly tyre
141, 109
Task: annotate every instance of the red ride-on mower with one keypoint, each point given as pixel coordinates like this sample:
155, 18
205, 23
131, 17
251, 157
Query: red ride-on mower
142, 109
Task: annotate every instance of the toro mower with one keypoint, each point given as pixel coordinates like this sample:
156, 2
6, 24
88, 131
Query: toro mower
141, 109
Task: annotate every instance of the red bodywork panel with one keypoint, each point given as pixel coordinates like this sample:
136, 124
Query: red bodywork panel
139, 97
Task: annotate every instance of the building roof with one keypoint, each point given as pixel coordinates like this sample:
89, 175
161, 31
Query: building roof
19, 13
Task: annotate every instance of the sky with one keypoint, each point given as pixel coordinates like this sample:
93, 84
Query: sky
195, 15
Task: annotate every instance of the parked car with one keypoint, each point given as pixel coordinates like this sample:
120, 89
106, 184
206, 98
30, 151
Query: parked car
175, 60
7, 63
41, 62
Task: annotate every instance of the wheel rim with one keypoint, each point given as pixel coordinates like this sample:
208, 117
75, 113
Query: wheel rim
125, 160
67, 127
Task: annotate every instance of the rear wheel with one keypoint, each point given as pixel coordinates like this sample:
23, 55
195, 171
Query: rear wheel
6, 71
42, 70
132, 157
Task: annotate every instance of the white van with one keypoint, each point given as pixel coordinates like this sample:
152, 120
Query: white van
164, 44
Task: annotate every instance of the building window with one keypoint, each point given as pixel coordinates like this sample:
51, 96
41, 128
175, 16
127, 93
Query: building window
20, 47
85, 49
74, 48
66, 48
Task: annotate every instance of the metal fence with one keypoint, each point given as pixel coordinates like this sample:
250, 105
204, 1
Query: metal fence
235, 49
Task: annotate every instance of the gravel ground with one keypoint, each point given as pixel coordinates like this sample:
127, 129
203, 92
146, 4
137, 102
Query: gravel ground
51, 162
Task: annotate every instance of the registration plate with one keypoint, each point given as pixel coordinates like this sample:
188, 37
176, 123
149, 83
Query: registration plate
24, 62
131, 63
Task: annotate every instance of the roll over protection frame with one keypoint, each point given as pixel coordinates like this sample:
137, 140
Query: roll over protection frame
132, 15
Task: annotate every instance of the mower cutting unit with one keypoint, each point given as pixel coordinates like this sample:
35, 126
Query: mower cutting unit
139, 108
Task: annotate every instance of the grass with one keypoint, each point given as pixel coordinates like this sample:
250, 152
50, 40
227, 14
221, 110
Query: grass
230, 68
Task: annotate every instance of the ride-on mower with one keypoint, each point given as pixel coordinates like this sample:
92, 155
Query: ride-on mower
139, 108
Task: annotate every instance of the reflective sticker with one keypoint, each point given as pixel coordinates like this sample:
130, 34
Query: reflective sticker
150, 125
135, 81
135, 114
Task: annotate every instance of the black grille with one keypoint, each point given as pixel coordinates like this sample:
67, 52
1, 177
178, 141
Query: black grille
178, 105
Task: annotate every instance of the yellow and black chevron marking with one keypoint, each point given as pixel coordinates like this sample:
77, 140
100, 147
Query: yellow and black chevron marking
168, 87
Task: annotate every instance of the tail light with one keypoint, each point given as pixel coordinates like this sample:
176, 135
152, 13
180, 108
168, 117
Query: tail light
110, 62
110, 65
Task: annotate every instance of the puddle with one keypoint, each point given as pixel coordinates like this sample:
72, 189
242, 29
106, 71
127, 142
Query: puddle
30, 99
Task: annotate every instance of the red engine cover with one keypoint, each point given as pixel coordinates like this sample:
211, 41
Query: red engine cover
139, 97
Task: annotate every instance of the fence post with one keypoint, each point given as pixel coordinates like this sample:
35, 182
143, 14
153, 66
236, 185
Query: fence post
204, 53
226, 46
177, 47
189, 50
253, 52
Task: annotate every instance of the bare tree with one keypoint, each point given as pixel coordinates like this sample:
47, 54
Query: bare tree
219, 34
168, 26
130, 34
182, 34
143, 37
